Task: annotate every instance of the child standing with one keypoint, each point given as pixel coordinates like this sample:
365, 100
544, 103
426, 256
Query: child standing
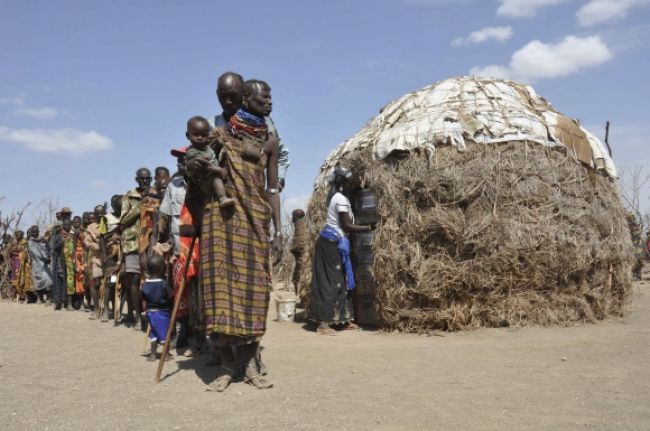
158, 295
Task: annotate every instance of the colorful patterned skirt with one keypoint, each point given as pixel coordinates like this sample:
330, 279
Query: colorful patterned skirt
235, 274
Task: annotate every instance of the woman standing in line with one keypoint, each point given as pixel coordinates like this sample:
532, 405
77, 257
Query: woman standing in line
235, 259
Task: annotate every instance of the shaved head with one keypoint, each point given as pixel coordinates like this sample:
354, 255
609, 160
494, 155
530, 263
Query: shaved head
143, 172
230, 88
229, 78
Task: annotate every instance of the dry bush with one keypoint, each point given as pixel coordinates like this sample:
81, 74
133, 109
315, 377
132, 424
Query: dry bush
511, 234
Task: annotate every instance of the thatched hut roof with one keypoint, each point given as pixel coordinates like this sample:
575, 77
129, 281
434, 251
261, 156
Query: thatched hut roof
464, 110
495, 209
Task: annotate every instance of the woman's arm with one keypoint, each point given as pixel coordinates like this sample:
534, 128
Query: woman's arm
346, 224
273, 192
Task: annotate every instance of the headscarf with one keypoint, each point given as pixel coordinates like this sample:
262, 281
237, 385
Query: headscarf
336, 177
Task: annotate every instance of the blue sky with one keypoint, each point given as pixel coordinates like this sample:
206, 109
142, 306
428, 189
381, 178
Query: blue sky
92, 90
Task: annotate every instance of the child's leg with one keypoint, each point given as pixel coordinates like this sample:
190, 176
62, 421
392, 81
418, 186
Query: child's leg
153, 343
220, 191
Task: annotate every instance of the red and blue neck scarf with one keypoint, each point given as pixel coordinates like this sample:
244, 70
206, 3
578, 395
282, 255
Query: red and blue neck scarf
243, 122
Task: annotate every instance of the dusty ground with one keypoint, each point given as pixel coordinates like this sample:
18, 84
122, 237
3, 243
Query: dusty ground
60, 371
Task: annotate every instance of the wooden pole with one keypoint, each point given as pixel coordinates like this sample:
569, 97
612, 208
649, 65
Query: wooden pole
146, 337
607, 139
177, 301
102, 293
117, 299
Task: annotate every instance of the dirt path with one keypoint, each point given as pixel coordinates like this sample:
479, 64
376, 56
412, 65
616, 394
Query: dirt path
60, 371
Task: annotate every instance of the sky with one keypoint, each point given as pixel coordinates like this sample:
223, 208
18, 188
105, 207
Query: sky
92, 90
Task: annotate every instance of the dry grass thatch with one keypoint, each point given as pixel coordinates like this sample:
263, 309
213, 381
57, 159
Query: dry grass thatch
509, 234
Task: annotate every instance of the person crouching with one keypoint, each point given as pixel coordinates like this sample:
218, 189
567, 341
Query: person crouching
158, 296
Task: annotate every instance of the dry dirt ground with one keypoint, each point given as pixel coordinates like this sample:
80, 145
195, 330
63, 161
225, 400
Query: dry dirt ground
61, 371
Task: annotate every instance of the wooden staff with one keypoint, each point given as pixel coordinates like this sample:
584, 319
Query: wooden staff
177, 301
117, 299
102, 295
146, 337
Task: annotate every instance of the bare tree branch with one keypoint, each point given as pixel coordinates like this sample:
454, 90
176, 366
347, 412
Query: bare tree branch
632, 181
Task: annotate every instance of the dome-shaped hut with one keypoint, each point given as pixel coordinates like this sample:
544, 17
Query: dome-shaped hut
494, 210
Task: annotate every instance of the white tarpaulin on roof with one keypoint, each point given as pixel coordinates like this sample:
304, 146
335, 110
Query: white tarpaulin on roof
476, 110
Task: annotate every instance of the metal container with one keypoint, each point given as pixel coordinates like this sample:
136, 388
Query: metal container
367, 312
362, 253
365, 207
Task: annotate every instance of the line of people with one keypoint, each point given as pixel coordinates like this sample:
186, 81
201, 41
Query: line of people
226, 190
225, 193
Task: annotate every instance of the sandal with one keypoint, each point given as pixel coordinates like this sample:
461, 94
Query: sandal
259, 381
222, 382
351, 327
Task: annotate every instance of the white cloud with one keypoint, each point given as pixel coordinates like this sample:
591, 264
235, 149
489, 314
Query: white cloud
500, 34
69, 141
14, 101
524, 8
45, 113
538, 60
598, 11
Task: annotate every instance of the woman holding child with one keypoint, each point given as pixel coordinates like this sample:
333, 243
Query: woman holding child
235, 259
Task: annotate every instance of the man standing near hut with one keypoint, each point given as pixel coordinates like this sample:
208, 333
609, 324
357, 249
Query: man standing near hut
298, 245
636, 232
230, 90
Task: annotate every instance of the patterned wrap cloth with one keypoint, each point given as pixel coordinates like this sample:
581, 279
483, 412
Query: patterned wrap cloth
188, 302
130, 221
14, 261
74, 263
21, 272
37, 264
148, 219
235, 261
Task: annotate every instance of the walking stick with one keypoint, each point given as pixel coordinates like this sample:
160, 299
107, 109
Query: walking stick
117, 299
102, 295
177, 301
146, 337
